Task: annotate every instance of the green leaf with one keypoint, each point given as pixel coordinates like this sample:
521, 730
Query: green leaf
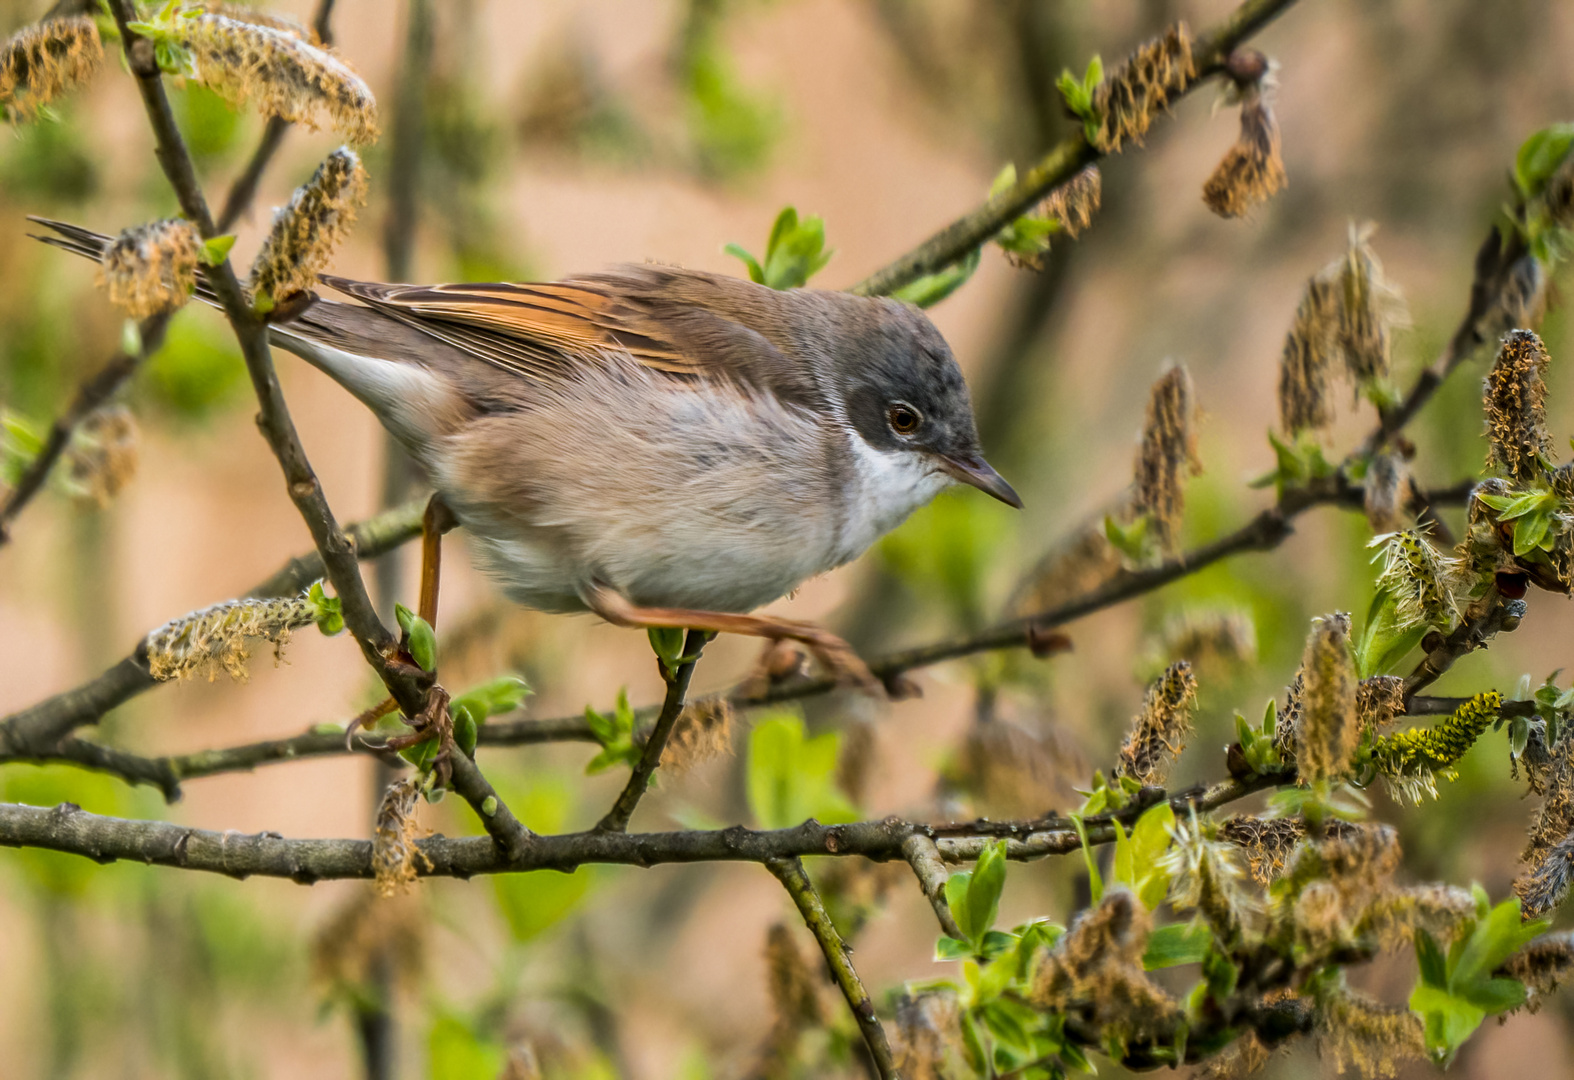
1175, 944
327, 610
454, 1051
494, 697
1494, 940
1531, 530
217, 248
756, 271
1447, 1020
794, 253
1539, 157
420, 639
791, 778
1095, 881
983, 891
949, 948
956, 899
466, 730
667, 641
929, 290
615, 732
1383, 642
534, 902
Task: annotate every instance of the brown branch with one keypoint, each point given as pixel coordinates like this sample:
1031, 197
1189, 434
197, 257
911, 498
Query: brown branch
617, 818
1065, 160
377, 644
67, 828
929, 868
790, 873
511, 837
1471, 634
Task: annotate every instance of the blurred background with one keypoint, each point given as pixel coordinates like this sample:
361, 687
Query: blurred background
562, 135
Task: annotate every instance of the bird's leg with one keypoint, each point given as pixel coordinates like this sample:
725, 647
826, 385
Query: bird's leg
837, 656
437, 520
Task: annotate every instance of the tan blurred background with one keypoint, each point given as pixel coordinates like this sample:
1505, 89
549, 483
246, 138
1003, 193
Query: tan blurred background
560, 140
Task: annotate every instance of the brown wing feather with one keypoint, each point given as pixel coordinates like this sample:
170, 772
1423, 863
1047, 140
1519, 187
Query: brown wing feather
536, 330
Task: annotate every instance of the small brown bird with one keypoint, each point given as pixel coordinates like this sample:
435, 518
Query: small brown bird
663, 447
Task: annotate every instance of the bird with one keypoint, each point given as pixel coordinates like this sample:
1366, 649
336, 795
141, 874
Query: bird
657, 445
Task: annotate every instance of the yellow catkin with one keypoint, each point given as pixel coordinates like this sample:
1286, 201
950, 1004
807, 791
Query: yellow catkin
215, 638
306, 232
1367, 1037
1330, 730
281, 74
1421, 579
1368, 306
1131, 96
394, 852
1386, 493
256, 17
41, 62
1515, 403
151, 268
1159, 731
1167, 454
703, 731
1097, 969
1305, 368
1252, 171
102, 456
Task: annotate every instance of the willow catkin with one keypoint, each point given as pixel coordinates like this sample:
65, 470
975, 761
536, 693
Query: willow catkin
1073, 205
215, 638
1515, 403
1158, 733
102, 456
1385, 492
1306, 365
1368, 305
151, 268
307, 231
1252, 170
703, 730
393, 842
39, 63
1329, 730
1167, 455
1371, 1038
281, 74
1142, 87
1421, 579
256, 17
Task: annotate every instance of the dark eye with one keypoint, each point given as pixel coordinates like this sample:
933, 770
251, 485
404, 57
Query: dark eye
904, 419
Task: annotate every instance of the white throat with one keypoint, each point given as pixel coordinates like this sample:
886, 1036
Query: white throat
889, 485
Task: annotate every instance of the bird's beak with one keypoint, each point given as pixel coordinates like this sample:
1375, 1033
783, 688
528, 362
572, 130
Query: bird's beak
974, 470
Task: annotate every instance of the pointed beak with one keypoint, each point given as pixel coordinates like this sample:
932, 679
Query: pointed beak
972, 469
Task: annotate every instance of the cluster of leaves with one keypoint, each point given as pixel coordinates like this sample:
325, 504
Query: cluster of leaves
794, 252
1078, 95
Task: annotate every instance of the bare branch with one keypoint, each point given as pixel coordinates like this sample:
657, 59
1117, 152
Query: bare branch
617, 818
924, 858
790, 873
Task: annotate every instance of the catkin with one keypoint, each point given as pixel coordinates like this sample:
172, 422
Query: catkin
1305, 368
1329, 730
306, 232
1252, 171
39, 63
214, 638
1159, 731
1132, 95
151, 268
1516, 407
1167, 454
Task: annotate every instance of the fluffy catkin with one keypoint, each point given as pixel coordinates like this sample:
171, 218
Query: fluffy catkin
1267, 842
1074, 203
306, 232
1330, 731
1378, 700
39, 63
1306, 364
1252, 171
272, 20
151, 268
1542, 888
1168, 452
1421, 579
393, 844
925, 1027
1370, 1038
1367, 307
1097, 968
1385, 492
1515, 403
215, 638
1158, 734
102, 456
1142, 87
703, 731
283, 75
1543, 964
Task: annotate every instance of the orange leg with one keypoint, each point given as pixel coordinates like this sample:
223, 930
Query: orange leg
837, 656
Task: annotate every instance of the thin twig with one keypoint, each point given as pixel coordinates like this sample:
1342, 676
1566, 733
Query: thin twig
506, 830
1065, 160
1471, 634
790, 873
924, 858
617, 818
338, 554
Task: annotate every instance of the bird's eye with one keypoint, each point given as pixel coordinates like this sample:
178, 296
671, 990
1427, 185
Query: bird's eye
904, 419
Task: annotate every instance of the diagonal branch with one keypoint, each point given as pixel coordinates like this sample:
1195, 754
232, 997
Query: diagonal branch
378, 646
791, 874
617, 818
1065, 160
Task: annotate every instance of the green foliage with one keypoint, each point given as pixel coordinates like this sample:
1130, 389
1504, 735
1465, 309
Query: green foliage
457, 1050
615, 732
1257, 744
667, 641
55, 874
1139, 859
930, 289
164, 31
19, 445
1385, 637
1539, 157
329, 611
212, 128
534, 902
1534, 514
1295, 463
472, 708
1029, 234
794, 252
1177, 943
420, 640
1078, 96
1457, 991
1134, 539
731, 129
974, 899
1554, 706
791, 777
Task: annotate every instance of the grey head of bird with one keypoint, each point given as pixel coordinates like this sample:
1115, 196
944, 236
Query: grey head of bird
903, 393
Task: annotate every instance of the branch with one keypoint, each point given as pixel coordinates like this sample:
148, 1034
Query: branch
1069, 157
377, 644
33, 733
790, 873
67, 828
499, 821
617, 818
924, 858
1496, 615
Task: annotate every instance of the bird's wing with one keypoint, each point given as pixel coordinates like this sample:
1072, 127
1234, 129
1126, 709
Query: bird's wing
538, 330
